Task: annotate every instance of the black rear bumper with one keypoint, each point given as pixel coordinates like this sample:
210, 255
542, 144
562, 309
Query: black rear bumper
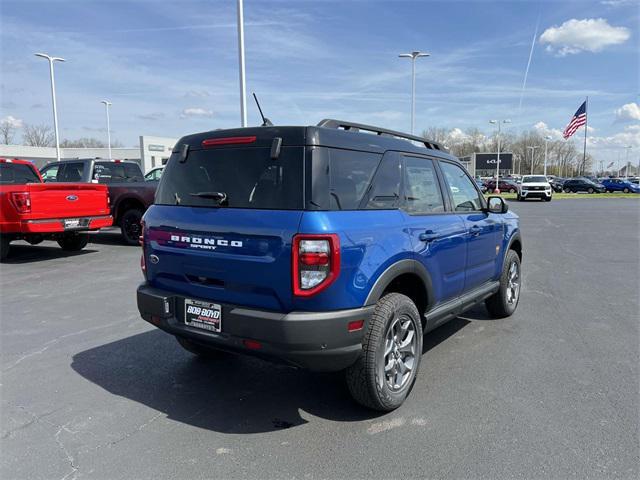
318, 341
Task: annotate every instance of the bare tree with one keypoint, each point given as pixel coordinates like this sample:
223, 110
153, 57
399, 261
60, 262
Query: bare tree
7, 132
38, 136
85, 142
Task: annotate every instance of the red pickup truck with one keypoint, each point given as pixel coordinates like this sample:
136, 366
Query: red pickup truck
34, 211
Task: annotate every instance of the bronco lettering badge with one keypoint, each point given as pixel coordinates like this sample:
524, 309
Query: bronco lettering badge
205, 243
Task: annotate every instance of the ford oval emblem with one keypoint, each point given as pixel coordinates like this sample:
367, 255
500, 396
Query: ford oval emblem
72, 198
154, 259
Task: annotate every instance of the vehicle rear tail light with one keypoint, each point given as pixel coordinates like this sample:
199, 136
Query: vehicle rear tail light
143, 262
316, 263
214, 142
252, 344
21, 201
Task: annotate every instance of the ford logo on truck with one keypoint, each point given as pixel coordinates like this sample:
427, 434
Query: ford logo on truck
205, 243
72, 198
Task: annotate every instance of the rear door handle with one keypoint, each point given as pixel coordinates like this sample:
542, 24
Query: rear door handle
428, 236
474, 230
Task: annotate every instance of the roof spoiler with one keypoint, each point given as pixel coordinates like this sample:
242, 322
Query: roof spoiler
356, 127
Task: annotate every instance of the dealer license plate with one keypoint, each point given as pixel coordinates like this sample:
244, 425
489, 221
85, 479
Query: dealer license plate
71, 223
204, 315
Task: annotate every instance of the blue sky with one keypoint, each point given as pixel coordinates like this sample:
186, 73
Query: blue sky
170, 67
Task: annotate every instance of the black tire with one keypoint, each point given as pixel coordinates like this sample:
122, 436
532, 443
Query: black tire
73, 242
547, 199
5, 243
499, 304
130, 226
520, 198
366, 379
567, 190
590, 190
199, 350
625, 190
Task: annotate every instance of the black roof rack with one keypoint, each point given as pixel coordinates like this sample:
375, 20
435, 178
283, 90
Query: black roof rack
356, 127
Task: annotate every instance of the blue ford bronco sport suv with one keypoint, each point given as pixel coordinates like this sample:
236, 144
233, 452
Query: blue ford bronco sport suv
329, 247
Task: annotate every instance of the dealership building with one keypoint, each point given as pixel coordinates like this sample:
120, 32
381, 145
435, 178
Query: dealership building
485, 164
152, 152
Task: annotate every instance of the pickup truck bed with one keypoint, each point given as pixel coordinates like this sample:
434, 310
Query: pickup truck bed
33, 211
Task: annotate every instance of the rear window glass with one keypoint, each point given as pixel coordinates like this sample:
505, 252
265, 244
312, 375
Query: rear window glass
16, 173
234, 178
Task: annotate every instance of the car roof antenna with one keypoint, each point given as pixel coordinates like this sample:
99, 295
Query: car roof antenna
265, 121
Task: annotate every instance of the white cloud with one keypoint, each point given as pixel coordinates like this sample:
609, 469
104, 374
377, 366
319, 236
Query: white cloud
628, 113
12, 121
544, 130
588, 35
617, 3
629, 136
196, 112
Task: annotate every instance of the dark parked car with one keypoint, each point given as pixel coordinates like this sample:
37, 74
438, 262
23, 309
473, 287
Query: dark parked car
505, 186
129, 194
557, 183
575, 185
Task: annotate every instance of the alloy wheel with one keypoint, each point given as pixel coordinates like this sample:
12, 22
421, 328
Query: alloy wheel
513, 283
399, 358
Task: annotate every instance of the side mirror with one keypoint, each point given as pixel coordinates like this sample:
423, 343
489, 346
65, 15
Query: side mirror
497, 205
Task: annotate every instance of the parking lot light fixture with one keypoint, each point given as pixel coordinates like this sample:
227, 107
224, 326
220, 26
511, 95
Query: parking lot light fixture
53, 96
626, 162
498, 123
546, 145
107, 104
413, 56
533, 152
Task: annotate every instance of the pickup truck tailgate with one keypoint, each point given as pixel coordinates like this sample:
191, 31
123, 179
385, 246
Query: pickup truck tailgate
67, 200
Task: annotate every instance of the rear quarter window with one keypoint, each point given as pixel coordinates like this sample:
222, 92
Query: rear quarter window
340, 178
247, 177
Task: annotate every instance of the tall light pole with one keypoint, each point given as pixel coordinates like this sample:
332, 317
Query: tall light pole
498, 123
626, 162
243, 85
53, 97
546, 144
107, 104
413, 56
533, 151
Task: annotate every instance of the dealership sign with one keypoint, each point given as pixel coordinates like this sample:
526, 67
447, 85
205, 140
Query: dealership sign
487, 161
156, 148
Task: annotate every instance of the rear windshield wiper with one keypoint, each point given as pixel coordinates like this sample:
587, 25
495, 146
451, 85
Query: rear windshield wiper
220, 196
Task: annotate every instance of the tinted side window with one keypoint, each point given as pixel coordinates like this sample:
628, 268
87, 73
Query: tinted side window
17, 174
463, 192
384, 192
50, 173
132, 172
350, 174
70, 172
421, 186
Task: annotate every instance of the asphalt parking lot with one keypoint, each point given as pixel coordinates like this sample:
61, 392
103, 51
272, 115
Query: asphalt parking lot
91, 390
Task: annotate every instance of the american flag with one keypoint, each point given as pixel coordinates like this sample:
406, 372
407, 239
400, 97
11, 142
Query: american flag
578, 120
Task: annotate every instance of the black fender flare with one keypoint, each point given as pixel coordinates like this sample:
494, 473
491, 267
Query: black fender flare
392, 272
123, 199
515, 237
